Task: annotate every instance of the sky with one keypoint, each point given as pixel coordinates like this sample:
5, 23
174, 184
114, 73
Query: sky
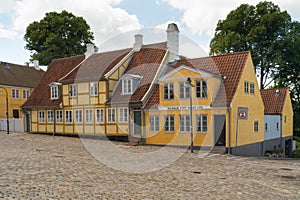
196, 19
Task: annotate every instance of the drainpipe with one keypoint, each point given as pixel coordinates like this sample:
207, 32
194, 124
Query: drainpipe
229, 139
144, 127
54, 122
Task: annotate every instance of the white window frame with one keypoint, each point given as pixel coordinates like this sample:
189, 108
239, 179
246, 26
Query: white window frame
54, 92
168, 96
154, 123
73, 90
246, 87
89, 119
184, 123
93, 89
184, 91
170, 122
252, 88
111, 116
68, 118
78, 116
201, 90
127, 86
15, 93
201, 124
59, 116
41, 116
99, 115
50, 116
256, 126
123, 115
26, 93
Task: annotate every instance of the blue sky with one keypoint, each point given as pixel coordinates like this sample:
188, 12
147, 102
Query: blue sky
196, 19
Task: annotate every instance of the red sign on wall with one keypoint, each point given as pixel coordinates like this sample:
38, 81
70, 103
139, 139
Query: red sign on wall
243, 113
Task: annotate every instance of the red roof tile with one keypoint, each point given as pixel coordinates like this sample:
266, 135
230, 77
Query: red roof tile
94, 67
144, 63
19, 75
229, 65
274, 103
58, 68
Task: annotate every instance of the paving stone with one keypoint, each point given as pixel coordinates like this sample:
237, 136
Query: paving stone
47, 167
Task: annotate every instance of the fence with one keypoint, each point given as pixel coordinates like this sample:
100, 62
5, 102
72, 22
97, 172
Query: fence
15, 125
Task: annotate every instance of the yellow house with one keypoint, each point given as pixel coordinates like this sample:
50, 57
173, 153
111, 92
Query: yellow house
224, 89
17, 82
150, 95
278, 127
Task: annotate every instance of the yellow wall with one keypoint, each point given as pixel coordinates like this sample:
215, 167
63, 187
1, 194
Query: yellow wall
13, 104
287, 112
254, 103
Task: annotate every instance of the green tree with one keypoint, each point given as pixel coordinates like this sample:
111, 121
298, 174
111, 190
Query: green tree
256, 28
289, 68
57, 35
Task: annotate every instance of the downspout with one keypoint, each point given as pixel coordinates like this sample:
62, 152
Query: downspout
144, 127
229, 121
54, 122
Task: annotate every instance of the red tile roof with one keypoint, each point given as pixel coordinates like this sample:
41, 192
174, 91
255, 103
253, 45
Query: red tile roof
229, 65
19, 75
94, 67
274, 103
144, 63
58, 68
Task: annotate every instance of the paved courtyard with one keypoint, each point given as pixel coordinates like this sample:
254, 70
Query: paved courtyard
47, 167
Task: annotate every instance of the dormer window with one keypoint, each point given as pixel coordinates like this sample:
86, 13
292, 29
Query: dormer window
130, 83
54, 90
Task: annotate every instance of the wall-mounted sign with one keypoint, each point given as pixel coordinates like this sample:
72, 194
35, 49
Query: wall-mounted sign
243, 113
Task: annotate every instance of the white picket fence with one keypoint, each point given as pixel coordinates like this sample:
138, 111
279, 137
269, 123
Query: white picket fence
15, 125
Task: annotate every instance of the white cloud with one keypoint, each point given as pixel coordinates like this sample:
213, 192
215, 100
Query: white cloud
201, 17
8, 34
6, 6
103, 19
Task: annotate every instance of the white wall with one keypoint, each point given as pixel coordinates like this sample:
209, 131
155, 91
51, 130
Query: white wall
272, 132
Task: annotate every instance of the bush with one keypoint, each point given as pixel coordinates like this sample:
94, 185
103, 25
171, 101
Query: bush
296, 154
274, 152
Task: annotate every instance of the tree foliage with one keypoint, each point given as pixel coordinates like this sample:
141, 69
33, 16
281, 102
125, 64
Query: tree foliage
289, 67
259, 29
57, 35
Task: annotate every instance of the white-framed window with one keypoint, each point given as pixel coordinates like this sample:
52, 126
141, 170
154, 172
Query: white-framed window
127, 87
73, 90
255, 126
266, 127
68, 115
78, 116
50, 114
277, 126
184, 90
100, 115
201, 123
41, 116
59, 116
154, 123
94, 88
54, 92
111, 115
169, 123
123, 115
169, 91
89, 115
15, 93
246, 87
201, 89
184, 124
251, 88
26, 94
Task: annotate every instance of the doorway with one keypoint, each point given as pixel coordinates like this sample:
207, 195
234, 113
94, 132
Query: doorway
27, 122
137, 122
220, 130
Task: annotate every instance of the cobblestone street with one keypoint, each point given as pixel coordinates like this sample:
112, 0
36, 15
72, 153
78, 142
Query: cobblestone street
47, 167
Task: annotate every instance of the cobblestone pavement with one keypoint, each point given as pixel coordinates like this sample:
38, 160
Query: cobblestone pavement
47, 167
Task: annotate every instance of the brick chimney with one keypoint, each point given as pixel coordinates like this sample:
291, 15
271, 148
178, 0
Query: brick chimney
138, 42
173, 41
